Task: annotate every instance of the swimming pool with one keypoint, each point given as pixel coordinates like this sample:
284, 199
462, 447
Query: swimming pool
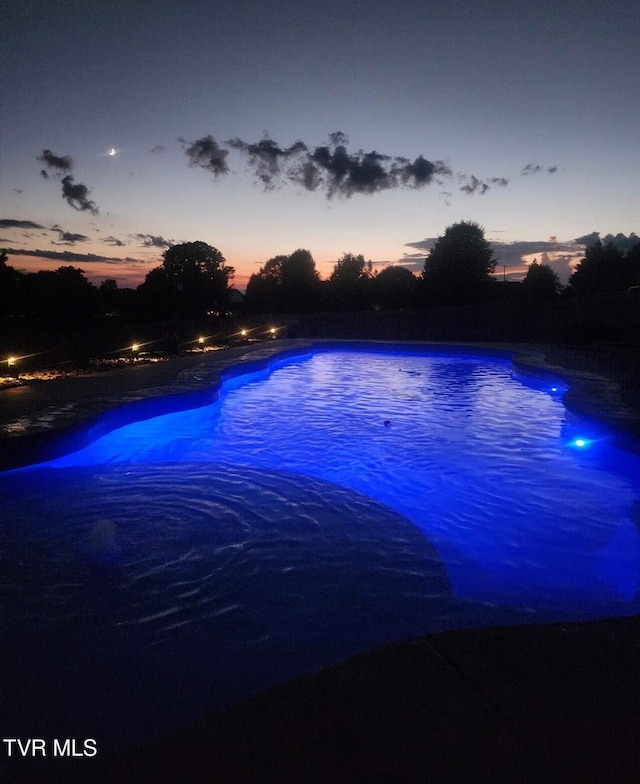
330, 503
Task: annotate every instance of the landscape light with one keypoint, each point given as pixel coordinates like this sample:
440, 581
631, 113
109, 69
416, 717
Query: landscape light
243, 332
11, 361
135, 347
201, 340
273, 331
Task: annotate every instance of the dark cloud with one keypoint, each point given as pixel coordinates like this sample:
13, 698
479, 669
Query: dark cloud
77, 196
329, 167
114, 241
74, 193
158, 149
426, 244
308, 175
87, 258
620, 241
337, 137
513, 252
474, 185
152, 241
419, 172
70, 239
536, 168
345, 174
588, 239
266, 157
332, 168
9, 223
207, 154
67, 237
414, 262
59, 164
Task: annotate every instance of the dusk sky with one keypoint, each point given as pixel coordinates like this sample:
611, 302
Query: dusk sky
366, 127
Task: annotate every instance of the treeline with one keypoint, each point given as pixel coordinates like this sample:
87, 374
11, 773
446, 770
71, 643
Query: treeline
606, 268
193, 280
193, 283
458, 270
291, 284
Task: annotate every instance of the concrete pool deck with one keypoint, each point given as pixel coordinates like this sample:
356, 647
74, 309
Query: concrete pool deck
553, 703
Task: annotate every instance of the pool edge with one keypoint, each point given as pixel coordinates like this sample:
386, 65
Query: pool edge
48, 432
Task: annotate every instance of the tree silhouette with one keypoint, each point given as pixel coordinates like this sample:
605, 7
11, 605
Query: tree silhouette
349, 268
395, 287
285, 284
63, 298
632, 264
459, 263
156, 296
349, 283
300, 282
263, 289
198, 276
10, 280
602, 269
540, 282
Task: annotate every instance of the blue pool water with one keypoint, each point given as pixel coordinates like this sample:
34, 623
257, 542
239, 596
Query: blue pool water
339, 501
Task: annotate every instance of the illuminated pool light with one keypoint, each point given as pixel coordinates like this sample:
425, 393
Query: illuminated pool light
581, 443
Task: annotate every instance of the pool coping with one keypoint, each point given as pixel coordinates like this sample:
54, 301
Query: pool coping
28, 417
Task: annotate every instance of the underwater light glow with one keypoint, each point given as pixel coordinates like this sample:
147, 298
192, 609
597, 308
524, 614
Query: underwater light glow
582, 443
